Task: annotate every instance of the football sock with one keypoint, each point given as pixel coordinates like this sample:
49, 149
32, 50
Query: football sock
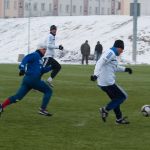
6, 103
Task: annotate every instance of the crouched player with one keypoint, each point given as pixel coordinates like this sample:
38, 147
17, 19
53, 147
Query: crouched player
32, 69
104, 73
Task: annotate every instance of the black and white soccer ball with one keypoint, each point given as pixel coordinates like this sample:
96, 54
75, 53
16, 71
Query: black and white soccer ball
145, 110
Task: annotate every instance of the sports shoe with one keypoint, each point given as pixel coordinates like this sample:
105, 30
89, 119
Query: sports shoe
103, 113
1, 109
44, 112
122, 121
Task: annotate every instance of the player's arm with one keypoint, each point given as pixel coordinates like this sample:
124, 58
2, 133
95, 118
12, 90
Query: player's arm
27, 59
46, 69
51, 44
124, 69
120, 68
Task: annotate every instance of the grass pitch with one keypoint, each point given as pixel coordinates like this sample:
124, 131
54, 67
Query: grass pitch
76, 124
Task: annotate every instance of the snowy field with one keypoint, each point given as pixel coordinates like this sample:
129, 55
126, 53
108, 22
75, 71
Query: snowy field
72, 32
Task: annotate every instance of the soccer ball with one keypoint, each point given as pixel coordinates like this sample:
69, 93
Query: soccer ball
145, 110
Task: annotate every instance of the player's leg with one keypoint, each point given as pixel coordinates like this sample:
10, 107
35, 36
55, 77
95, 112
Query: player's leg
47, 62
117, 96
117, 112
23, 90
56, 67
44, 88
119, 118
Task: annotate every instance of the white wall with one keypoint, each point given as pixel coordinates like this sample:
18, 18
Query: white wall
38, 10
145, 7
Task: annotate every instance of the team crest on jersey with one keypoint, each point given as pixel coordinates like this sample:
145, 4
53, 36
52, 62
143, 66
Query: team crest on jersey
109, 55
40, 62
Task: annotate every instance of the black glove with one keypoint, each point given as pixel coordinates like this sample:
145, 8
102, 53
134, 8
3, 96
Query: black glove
21, 73
93, 78
61, 47
129, 70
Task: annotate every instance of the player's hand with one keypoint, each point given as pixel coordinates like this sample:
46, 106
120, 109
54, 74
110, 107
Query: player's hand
129, 70
93, 78
61, 47
21, 73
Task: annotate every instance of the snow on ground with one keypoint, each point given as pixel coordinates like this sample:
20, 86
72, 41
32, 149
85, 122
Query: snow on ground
72, 32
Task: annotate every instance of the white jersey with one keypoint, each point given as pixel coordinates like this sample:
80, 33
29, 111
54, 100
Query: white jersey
106, 67
50, 52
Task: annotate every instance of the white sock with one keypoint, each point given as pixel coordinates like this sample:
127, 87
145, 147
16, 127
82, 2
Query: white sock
49, 79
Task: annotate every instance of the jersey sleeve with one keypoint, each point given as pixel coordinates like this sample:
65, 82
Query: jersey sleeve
46, 69
27, 59
120, 68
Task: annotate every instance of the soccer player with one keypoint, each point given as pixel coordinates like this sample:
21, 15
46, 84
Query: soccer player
50, 53
32, 69
104, 73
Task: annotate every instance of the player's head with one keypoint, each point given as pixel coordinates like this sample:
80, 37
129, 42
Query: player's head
42, 48
119, 44
53, 29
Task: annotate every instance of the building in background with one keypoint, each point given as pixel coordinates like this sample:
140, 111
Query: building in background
1, 9
25, 8
36, 8
125, 7
144, 7
11, 8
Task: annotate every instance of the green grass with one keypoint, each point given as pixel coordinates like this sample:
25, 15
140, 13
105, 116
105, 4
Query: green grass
76, 124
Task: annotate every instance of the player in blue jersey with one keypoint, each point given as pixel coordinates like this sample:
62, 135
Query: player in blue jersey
32, 69
104, 73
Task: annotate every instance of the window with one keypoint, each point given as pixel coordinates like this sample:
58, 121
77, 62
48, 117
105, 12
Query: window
50, 7
119, 5
15, 4
7, 4
26, 6
67, 8
108, 11
43, 6
80, 9
102, 11
35, 7
90, 10
20, 5
96, 10
60, 8
74, 9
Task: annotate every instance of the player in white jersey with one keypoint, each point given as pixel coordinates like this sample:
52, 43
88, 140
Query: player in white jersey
50, 53
104, 73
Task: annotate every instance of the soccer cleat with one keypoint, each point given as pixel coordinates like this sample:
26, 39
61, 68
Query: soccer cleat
122, 121
1, 109
103, 113
44, 112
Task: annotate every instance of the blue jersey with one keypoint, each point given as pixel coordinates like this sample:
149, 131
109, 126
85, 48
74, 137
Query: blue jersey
32, 64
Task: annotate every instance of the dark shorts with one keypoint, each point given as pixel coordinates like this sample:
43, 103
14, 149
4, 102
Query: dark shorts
114, 92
